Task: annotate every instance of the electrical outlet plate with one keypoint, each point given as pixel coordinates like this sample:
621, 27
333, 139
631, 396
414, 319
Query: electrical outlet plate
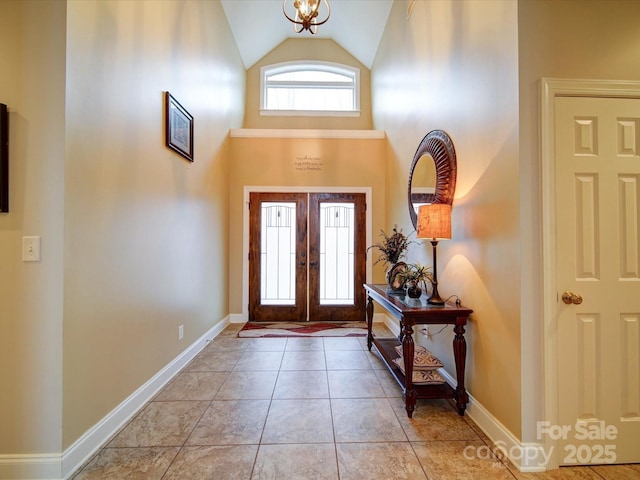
30, 249
180, 332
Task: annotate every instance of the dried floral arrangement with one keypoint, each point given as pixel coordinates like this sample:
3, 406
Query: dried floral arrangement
393, 247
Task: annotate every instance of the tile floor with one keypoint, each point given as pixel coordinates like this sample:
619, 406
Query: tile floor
296, 409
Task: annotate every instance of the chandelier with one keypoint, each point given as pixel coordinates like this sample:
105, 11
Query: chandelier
306, 17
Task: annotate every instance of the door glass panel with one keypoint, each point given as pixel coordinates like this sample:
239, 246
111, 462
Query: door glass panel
336, 253
278, 253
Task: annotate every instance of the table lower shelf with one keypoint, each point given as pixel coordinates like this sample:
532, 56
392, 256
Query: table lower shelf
386, 347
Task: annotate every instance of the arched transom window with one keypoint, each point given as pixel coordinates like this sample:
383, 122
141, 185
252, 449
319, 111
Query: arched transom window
310, 88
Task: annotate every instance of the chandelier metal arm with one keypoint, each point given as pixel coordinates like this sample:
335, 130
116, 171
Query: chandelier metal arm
284, 10
308, 22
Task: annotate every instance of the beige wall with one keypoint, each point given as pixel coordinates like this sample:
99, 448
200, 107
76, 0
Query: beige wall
136, 241
570, 39
134, 238
269, 162
306, 49
32, 48
453, 66
145, 231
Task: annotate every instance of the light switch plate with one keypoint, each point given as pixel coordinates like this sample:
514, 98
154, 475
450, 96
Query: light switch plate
30, 249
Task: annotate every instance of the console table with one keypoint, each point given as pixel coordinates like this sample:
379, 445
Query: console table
410, 312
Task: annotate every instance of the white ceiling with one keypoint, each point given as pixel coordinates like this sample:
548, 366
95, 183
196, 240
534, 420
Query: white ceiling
259, 26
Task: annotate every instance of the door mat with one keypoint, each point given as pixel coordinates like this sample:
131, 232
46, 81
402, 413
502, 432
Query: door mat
303, 329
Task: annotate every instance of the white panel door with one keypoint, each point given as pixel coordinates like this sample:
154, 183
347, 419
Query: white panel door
598, 276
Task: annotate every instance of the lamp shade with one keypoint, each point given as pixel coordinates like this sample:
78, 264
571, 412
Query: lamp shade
434, 221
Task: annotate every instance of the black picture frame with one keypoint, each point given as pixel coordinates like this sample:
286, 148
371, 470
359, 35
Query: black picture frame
178, 128
4, 159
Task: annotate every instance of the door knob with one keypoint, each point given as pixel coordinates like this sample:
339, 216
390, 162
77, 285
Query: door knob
571, 298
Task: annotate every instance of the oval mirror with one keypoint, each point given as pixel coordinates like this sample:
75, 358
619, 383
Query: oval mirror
423, 182
432, 177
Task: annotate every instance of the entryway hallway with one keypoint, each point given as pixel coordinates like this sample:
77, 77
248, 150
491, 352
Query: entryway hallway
302, 408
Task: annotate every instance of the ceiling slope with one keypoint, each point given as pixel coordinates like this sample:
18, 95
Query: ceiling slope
259, 26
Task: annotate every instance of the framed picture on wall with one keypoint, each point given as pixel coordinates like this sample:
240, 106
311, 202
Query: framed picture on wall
4, 159
178, 128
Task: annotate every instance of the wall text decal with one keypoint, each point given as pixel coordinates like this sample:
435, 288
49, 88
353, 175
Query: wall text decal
309, 163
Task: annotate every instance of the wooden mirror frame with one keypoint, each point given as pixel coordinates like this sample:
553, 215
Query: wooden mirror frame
439, 145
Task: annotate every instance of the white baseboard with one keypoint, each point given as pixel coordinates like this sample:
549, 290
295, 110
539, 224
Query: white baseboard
33, 466
527, 457
391, 323
237, 318
61, 466
78, 453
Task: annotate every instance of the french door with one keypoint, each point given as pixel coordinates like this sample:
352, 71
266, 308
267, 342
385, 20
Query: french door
306, 256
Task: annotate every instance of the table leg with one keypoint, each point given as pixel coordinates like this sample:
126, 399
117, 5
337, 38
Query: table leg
369, 322
460, 354
408, 348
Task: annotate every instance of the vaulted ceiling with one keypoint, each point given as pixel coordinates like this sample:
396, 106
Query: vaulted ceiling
259, 26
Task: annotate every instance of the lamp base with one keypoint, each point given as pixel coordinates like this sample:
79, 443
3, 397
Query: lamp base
435, 299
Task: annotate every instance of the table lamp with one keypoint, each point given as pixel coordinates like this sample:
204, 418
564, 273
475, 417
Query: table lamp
434, 223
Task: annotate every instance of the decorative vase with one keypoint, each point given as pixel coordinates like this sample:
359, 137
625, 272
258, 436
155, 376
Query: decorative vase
394, 279
414, 291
